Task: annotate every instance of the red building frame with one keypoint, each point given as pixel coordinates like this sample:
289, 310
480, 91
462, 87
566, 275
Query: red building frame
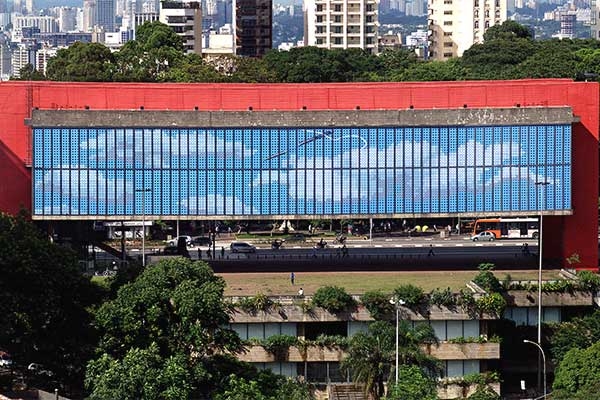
563, 236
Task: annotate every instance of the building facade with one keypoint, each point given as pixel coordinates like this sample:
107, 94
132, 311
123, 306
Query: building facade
253, 27
185, 18
334, 24
456, 25
320, 151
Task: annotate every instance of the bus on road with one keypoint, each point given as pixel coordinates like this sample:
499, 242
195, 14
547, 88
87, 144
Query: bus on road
519, 228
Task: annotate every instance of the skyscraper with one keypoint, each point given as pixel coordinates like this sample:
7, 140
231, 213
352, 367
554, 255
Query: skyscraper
456, 25
105, 14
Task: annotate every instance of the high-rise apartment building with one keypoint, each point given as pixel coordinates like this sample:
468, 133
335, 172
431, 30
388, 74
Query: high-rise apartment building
595, 20
185, 18
455, 25
341, 24
89, 15
253, 27
105, 14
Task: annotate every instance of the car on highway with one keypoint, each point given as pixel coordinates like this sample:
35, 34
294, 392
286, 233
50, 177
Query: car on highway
484, 236
242, 247
201, 241
175, 240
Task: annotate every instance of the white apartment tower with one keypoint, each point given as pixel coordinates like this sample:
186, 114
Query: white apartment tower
455, 25
185, 18
341, 24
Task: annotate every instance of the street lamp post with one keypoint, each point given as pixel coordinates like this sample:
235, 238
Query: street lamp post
543, 359
541, 185
397, 302
143, 191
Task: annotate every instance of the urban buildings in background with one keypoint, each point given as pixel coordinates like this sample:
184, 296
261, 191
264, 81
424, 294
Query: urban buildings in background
31, 33
456, 25
333, 24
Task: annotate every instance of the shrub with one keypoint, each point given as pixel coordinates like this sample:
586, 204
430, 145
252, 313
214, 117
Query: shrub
442, 297
413, 296
252, 305
486, 279
493, 304
278, 343
331, 341
588, 280
378, 304
333, 299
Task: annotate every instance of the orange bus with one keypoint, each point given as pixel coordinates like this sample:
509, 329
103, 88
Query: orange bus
508, 227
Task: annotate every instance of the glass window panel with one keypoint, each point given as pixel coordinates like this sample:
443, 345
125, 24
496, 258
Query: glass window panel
454, 329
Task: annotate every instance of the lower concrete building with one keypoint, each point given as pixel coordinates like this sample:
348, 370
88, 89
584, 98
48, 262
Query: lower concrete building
468, 343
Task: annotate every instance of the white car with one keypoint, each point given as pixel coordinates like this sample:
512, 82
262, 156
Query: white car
485, 236
175, 241
242, 247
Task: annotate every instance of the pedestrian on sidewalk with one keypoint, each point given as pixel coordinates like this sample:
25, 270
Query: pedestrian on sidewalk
292, 277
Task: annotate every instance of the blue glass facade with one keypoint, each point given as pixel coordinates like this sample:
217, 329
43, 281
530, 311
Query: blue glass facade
300, 171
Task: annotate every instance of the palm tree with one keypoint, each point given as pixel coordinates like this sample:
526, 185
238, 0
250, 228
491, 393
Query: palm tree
371, 354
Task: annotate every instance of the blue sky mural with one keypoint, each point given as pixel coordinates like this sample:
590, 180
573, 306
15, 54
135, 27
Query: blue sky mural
301, 171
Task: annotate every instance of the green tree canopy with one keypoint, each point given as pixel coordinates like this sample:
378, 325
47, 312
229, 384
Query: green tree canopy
155, 50
44, 301
413, 384
168, 324
579, 333
578, 374
507, 30
82, 62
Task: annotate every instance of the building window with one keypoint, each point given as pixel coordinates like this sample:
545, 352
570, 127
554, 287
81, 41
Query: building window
447, 23
337, 41
447, 1
337, 8
476, 25
319, 18
319, 7
337, 29
447, 33
337, 19
448, 12
447, 55
448, 44
369, 7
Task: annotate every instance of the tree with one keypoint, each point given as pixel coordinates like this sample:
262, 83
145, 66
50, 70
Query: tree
29, 73
578, 373
193, 69
155, 50
167, 325
265, 386
508, 30
413, 384
82, 62
44, 301
579, 333
371, 354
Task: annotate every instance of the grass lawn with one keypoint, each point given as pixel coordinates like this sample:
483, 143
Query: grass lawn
278, 283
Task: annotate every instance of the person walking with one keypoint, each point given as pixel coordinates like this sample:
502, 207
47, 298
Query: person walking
222, 252
431, 253
199, 253
301, 292
292, 278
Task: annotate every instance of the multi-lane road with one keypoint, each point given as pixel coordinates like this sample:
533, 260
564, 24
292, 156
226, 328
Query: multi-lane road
456, 252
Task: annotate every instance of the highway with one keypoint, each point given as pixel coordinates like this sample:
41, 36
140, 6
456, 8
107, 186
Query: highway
454, 253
